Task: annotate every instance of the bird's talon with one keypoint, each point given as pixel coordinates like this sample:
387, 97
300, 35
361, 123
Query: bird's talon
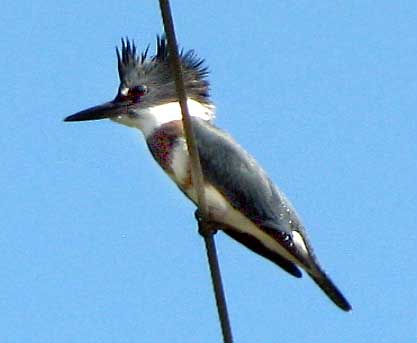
205, 227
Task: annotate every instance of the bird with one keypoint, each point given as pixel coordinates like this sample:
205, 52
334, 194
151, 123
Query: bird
242, 200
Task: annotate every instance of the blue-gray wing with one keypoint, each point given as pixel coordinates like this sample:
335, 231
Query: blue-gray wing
239, 177
233, 172
236, 174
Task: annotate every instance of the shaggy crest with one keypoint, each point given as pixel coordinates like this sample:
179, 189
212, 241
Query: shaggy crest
154, 71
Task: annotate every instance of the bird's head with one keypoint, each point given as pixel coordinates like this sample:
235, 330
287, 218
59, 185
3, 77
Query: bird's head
147, 83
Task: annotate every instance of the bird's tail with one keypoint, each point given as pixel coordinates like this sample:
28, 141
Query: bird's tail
326, 284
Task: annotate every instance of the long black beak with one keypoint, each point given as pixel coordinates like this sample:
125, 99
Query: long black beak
107, 110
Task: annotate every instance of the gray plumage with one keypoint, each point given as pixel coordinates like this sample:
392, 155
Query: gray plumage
156, 73
244, 183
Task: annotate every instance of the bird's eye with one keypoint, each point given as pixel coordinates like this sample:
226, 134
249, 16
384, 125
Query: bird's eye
136, 92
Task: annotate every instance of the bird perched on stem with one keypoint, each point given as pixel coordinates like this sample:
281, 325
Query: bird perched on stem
243, 202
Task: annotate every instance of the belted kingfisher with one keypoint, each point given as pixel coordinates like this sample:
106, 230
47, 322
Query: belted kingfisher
242, 200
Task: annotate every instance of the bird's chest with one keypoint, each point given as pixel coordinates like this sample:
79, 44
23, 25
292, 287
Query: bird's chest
168, 146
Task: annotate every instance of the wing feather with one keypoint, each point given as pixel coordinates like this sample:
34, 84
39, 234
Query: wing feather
239, 178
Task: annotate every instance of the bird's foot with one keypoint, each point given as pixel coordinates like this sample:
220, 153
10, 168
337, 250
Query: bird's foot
206, 227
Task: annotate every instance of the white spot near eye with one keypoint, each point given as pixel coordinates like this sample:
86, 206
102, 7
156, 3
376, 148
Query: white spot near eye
124, 91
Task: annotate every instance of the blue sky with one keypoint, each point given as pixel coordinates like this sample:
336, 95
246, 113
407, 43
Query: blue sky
97, 245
